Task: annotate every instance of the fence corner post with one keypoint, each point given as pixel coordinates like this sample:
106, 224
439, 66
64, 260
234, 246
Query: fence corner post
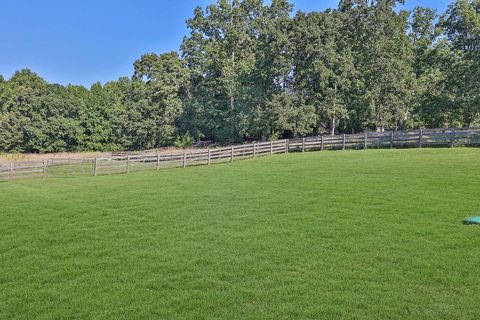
452, 142
420, 138
45, 165
10, 176
95, 164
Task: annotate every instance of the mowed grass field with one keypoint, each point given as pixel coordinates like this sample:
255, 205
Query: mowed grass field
332, 235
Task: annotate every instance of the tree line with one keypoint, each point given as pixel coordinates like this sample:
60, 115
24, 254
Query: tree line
250, 70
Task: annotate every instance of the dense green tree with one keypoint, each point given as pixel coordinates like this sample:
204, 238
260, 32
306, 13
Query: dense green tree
433, 64
238, 52
383, 58
220, 52
324, 66
39, 117
462, 27
159, 97
98, 118
276, 108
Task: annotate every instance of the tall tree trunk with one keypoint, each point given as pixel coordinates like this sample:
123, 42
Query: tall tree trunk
232, 92
333, 125
232, 102
379, 126
334, 116
467, 118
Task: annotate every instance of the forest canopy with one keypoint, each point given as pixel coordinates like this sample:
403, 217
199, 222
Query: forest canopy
248, 70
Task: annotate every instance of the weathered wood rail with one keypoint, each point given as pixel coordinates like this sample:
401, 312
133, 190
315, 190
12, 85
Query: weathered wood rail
126, 162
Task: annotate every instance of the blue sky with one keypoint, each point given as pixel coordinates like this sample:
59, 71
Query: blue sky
84, 41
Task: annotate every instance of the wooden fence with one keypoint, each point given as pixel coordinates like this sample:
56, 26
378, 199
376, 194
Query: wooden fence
126, 162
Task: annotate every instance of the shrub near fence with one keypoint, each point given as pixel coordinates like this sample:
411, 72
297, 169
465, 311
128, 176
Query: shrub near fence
126, 162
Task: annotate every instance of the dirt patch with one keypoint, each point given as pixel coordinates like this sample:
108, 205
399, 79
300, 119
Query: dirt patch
7, 157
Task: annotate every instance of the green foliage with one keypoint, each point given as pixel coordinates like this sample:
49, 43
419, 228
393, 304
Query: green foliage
324, 67
462, 27
249, 69
184, 141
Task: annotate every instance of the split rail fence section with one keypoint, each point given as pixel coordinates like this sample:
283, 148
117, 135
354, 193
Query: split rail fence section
126, 162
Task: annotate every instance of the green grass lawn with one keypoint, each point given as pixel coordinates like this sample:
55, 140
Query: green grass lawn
332, 235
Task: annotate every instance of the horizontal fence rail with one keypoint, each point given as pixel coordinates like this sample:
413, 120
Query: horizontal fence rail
126, 162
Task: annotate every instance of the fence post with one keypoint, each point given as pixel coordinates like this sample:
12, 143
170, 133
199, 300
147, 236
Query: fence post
452, 137
231, 154
271, 147
158, 160
420, 138
322, 143
184, 159
365, 141
254, 150
10, 176
344, 141
45, 165
128, 163
303, 144
209, 157
391, 140
95, 167
287, 142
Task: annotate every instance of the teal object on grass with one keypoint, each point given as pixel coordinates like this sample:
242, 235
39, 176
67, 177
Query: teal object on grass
472, 220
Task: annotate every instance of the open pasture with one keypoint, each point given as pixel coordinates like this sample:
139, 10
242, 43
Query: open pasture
371, 234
